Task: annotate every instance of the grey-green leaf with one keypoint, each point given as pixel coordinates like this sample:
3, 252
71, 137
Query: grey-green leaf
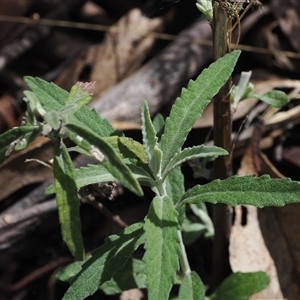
141, 174
67, 201
49, 95
92, 174
258, 191
241, 91
162, 248
105, 262
131, 276
34, 107
192, 288
190, 105
175, 190
150, 140
8, 138
87, 175
148, 131
52, 118
240, 286
191, 231
66, 273
127, 147
274, 98
112, 162
78, 96
196, 151
175, 185
54, 98
159, 125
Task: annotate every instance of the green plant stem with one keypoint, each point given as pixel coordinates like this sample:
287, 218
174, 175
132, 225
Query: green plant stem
183, 260
222, 214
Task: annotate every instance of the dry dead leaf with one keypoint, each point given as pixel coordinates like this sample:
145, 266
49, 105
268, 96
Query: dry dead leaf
248, 252
267, 239
133, 294
15, 173
121, 53
292, 155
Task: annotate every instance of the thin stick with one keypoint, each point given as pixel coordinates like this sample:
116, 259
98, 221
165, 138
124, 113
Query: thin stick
157, 35
115, 218
222, 214
38, 273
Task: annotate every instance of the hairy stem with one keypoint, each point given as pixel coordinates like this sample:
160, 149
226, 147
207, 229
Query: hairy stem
222, 214
183, 260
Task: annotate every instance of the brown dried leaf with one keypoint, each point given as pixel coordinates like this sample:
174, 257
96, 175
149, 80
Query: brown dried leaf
120, 54
15, 173
88, 87
248, 252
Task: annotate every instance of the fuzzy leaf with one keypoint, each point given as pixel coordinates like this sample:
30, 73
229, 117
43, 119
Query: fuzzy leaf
67, 201
175, 185
98, 173
156, 159
196, 151
49, 95
175, 190
240, 286
111, 161
141, 174
66, 273
127, 147
274, 98
34, 107
191, 231
136, 148
192, 288
162, 248
78, 96
150, 140
131, 276
148, 131
241, 91
54, 98
159, 125
258, 191
52, 118
205, 7
92, 174
190, 105
76, 99
87, 175
200, 211
105, 262
10, 136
